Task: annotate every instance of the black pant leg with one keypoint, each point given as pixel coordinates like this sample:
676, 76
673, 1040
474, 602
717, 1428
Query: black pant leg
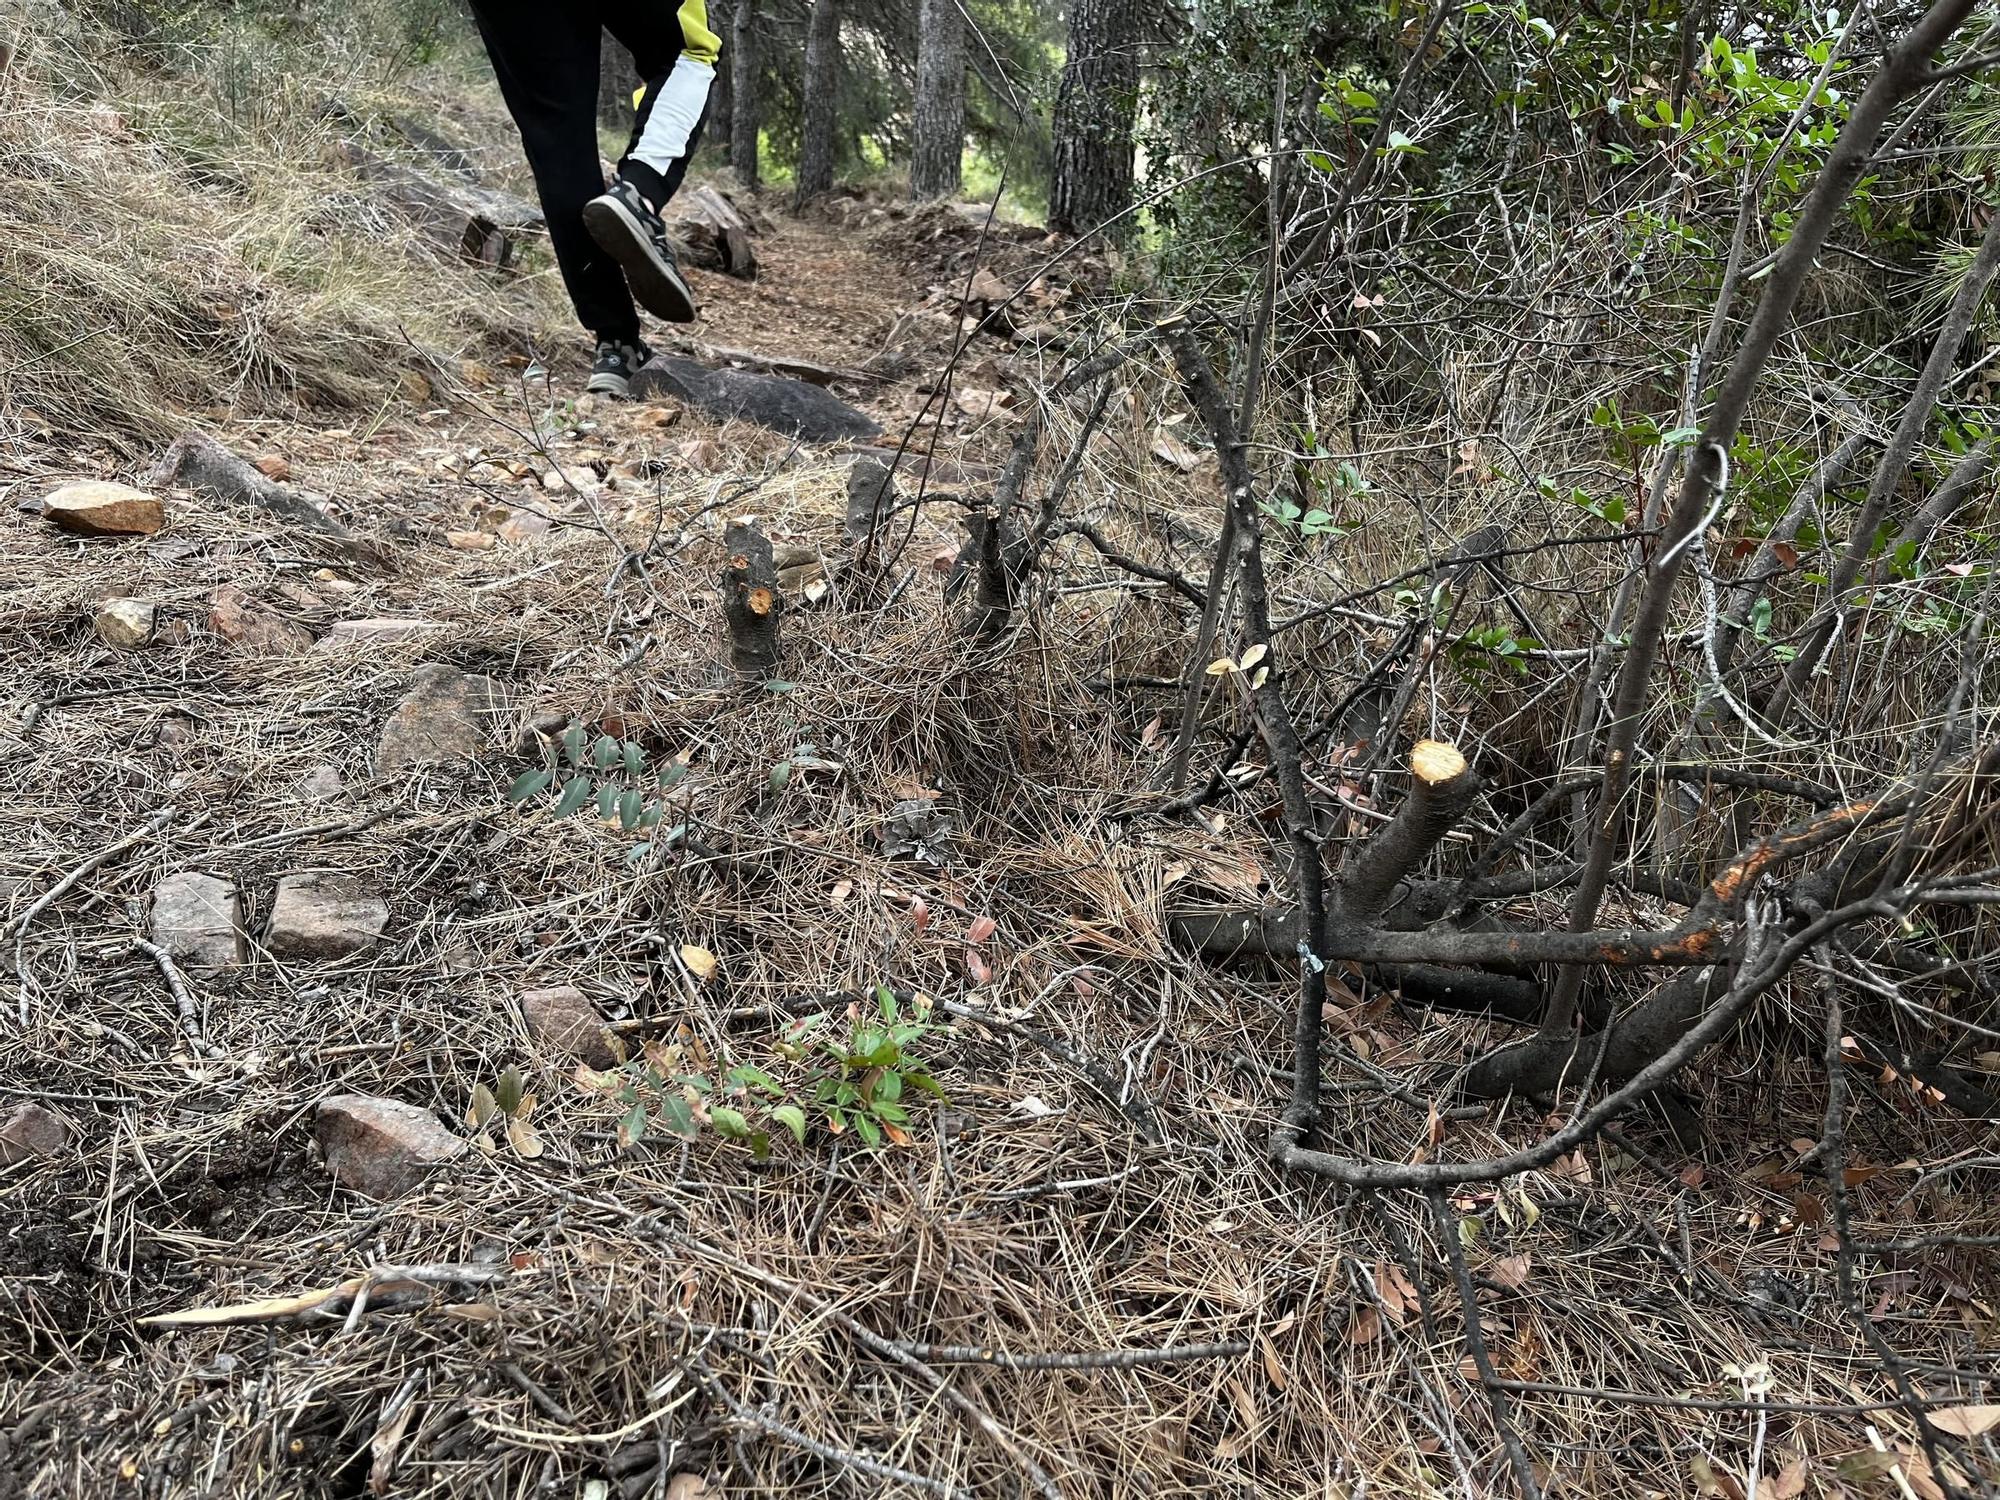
545, 57
651, 31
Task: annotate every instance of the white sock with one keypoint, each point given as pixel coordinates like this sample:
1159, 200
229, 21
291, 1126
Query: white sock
674, 113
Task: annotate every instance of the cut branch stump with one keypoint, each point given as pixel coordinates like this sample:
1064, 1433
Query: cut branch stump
752, 603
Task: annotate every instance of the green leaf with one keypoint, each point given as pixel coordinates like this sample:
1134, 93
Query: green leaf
1614, 510
1398, 142
753, 1078
781, 687
635, 758
572, 743
604, 754
484, 1105
923, 1083
889, 1090
575, 793
633, 1126
672, 775
528, 784
730, 1122
793, 1119
677, 1117
760, 1145
895, 1114
629, 807
781, 775
869, 1131
508, 1090
607, 800
638, 852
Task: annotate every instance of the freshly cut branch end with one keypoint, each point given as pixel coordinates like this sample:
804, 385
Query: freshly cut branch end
1434, 763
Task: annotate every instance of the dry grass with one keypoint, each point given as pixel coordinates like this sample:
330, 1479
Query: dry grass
159, 256
1096, 1182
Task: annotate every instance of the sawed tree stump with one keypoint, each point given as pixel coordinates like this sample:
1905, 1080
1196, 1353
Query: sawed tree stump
752, 604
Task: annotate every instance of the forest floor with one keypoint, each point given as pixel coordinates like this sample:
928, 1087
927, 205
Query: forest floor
570, 1312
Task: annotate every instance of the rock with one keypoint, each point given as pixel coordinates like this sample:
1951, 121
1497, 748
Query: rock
324, 916
102, 508
32, 1130
125, 623
794, 407
444, 717
199, 920
564, 1018
524, 525
986, 287
383, 632
241, 621
321, 784
381, 1148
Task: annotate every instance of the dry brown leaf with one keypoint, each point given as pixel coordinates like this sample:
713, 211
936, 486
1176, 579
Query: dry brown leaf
1171, 450
1714, 1482
1917, 1470
699, 961
1511, 1271
1789, 1483
981, 929
382, 1449
1274, 1368
1394, 1288
692, 1487
1966, 1421
1365, 1328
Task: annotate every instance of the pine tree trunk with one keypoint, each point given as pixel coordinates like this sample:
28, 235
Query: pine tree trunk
940, 104
745, 119
721, 124
822, 101
1096, 105
617, 81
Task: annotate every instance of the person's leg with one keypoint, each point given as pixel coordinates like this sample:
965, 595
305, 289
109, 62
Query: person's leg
545, 57
675, 53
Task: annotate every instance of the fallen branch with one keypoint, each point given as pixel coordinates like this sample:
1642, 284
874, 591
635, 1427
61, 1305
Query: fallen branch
380, 1285
183, 1000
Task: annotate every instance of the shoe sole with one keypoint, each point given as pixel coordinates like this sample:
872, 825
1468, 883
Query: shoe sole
618, 387
654, 281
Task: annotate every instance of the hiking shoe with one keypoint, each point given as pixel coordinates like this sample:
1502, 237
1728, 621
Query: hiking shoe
632, 234
617, 362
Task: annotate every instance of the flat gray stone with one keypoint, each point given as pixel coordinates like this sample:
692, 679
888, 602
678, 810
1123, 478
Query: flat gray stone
563, 1018
447, 716
32, 1130
325, 916
381, 1148
199, 920
321, 784
794, 407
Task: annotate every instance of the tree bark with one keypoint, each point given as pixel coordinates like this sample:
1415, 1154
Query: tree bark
617, 81
822, 101
940, 104
745, 117
1096, 105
